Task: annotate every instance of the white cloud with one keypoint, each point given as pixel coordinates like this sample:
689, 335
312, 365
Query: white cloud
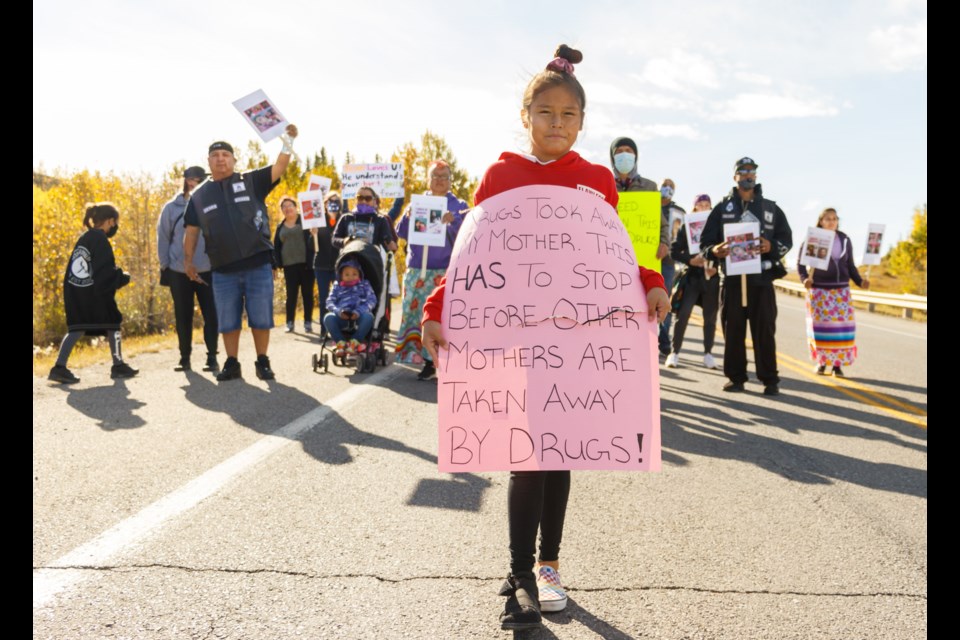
901, 47
753, 78
681, 71
750, 107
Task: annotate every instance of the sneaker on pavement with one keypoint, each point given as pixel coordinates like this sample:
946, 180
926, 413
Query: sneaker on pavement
230, 371
429, 371
123, 370
552, 596
522, 609
838, 372
772, 389
733, 387
183, 365
62, 375
308, 326
264, 372
709, 362
820, 369
673, 360
289, 328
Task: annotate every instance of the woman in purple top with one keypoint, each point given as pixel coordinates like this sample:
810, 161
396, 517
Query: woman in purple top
426, 266
831, 326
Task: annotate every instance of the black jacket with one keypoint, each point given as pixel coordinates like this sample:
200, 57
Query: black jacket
90, 285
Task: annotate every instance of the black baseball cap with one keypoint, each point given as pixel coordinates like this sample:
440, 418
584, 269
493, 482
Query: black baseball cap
195, 172
745, 162
220, 144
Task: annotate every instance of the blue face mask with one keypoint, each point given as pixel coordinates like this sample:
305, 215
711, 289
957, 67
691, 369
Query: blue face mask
624, 162
666, 192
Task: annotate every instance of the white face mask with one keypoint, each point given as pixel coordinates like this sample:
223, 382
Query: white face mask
624, 162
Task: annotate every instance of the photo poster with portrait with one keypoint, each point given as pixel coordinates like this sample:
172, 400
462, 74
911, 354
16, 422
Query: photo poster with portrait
817, 247
695, 222
319, 182
426, 228
386, 179
262, 114
311, 209
871, 255
743, 239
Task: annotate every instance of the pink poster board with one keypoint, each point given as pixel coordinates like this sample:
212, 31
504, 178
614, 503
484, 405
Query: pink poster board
551, 361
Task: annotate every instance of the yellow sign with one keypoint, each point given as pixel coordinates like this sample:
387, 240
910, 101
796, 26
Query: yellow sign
640, 214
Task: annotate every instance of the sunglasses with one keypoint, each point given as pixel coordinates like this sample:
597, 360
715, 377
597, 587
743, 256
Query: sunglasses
364, 198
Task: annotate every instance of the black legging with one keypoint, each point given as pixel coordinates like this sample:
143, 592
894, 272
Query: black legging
299, 278
536, 500
183, 289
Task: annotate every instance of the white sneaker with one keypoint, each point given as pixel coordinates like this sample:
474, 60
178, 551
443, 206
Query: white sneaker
709, 362
552, 596
289, 328
673, 360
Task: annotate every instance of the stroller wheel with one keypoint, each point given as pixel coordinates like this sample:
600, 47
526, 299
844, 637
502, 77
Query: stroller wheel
314, 362
325, 362
370, 362
361, 363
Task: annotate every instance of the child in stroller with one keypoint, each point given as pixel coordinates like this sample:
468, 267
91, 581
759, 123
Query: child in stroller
358, 309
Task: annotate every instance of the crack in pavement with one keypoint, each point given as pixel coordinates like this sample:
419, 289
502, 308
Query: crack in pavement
334, 576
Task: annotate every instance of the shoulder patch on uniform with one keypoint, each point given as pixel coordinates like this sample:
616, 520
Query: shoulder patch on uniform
209, 208
238, 187
730, 205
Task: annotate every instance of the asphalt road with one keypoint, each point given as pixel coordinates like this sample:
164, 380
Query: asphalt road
170, 506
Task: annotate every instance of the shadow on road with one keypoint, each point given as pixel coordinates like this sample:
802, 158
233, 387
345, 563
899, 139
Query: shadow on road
705, 427
112, 407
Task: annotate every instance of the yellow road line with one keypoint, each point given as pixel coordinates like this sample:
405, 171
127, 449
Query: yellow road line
788, 363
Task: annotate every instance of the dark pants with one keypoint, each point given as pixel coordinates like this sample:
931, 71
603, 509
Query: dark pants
761, 314
536, 500
708, 293
299, 278
667, 269
325, 279
183, 291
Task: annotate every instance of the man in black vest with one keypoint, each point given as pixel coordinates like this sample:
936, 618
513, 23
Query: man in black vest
230, 211
749, 298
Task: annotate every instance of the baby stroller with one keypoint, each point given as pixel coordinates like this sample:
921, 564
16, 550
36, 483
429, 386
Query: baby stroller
375, 263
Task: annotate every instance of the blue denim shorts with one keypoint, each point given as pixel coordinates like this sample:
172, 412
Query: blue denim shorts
251, 290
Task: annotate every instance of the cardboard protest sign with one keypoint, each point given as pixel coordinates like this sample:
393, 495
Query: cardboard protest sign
386, 179
311, 209
817, 247
871, 254
426, 228
744, 241
262, 115
694, 223
640, 214
551, 358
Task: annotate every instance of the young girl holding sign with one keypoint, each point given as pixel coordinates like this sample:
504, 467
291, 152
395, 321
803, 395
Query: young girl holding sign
552, 114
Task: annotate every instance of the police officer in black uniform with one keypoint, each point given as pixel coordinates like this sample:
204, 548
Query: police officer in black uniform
746, 203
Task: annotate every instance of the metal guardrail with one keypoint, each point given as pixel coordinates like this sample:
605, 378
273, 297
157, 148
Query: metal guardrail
907, 302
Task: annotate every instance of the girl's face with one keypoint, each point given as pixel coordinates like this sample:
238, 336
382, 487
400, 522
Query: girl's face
830, 222
703, 205
553, 121
349, 274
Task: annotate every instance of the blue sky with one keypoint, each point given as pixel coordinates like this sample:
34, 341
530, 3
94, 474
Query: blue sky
830, 98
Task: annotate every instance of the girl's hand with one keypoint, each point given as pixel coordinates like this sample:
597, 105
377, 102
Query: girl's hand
808, 282
658, 304
866, 284
432, 338
447, 218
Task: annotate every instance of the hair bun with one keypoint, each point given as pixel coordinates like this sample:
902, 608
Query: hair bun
569, 54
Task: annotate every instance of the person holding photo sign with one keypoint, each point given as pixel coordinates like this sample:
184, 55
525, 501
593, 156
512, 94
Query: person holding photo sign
701, 285
324, 263
365, 223
230, 211
426, 266
294, 253
552, 113
749, 299
831, 325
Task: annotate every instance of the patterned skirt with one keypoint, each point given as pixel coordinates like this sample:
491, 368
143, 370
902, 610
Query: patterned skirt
831, 327
415, 292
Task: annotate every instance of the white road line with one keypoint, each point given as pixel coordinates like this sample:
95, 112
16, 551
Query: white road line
126, 535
